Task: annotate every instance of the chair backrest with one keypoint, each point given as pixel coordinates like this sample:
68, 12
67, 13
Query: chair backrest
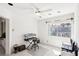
36, 40
29, 35
71, 41
73, 46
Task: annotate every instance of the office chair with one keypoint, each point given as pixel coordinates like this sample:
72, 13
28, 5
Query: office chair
35, 43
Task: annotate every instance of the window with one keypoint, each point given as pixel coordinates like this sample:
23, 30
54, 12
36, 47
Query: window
62, 30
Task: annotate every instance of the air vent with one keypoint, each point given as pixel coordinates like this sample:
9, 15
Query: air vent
10, 4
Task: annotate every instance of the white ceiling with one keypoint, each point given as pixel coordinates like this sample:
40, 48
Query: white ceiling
55, 5
63, 8
44, 6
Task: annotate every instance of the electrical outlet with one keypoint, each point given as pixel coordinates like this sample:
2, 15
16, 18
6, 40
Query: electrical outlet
12, 29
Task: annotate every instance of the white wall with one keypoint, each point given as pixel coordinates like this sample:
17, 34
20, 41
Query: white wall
22, 23
76, 25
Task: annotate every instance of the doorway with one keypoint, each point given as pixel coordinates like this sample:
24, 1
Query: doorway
4, 36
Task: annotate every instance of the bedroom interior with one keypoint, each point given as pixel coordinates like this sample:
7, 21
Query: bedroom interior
39, 29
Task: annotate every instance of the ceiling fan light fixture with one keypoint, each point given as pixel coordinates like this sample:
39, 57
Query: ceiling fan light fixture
49, 13
58, 11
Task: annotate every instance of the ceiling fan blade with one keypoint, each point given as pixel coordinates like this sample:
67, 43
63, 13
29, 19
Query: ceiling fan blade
45, 10
35, 8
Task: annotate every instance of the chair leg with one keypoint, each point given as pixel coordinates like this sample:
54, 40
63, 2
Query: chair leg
34, 48
38, 46
29, 45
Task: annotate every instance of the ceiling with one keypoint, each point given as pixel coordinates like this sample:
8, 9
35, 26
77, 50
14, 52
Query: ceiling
44, 6
57, 8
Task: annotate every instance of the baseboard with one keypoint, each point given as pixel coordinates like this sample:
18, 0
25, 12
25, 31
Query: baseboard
50, 45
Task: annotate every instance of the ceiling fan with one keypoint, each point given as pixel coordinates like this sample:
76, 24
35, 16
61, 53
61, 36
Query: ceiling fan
37, 10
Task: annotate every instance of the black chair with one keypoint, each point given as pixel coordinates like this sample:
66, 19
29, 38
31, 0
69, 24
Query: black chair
72, 46
28, 40
35, 43
76, 50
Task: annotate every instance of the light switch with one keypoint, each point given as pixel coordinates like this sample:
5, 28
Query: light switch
12, 29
